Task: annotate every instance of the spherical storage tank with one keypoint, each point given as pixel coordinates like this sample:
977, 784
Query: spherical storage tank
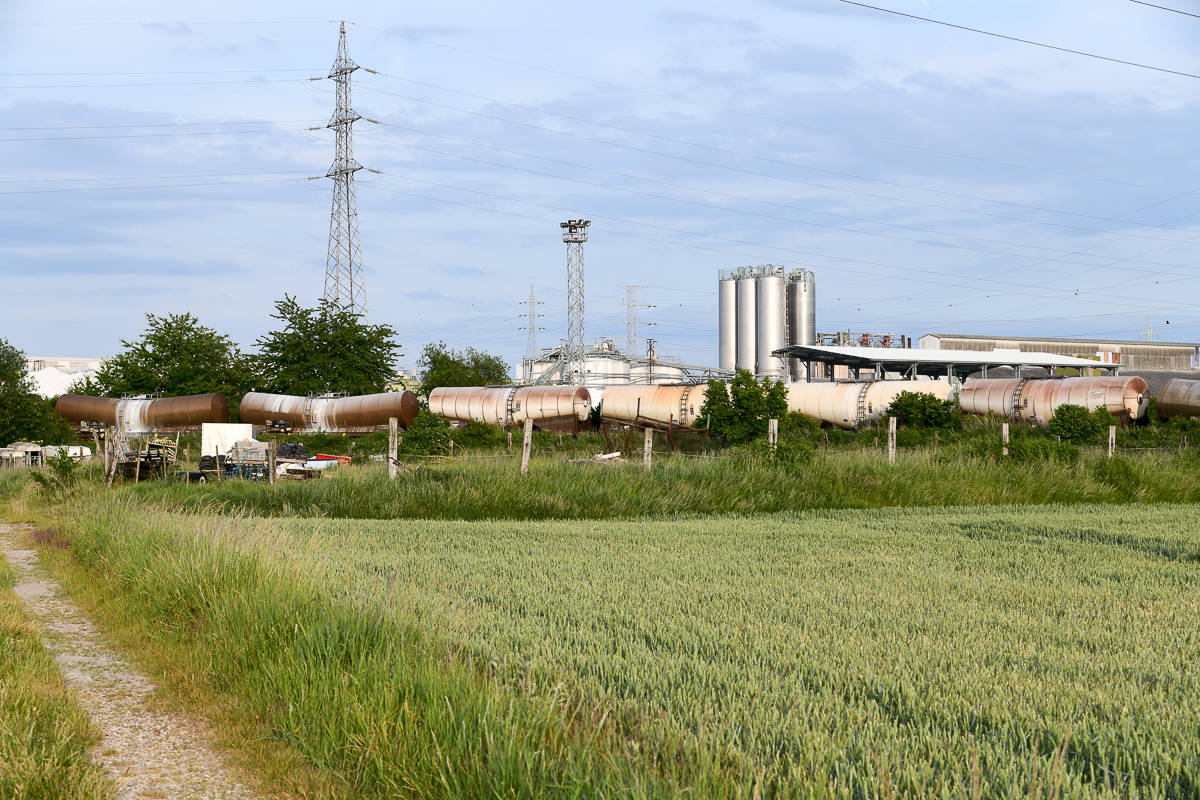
850, 405
1035, 399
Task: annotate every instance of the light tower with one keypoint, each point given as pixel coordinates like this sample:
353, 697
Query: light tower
632, 304
531, 313
575, 233
344, 286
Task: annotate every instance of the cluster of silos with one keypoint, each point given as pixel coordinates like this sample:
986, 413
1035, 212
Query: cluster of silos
762, 309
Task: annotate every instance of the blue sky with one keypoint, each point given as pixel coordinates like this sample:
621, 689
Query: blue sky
934, 179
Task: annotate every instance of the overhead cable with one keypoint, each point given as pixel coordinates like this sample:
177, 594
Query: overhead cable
1164, 8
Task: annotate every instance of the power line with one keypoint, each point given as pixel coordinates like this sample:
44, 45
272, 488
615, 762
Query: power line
143, 135
161, 83
1022, 41
159, 177
131, 188
737, 112
158, 125
163, 72
1164, 8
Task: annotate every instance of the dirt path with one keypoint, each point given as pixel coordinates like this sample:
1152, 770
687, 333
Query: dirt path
150, 754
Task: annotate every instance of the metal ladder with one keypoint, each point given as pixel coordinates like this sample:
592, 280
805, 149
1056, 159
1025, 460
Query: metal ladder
860, 415
1014, 400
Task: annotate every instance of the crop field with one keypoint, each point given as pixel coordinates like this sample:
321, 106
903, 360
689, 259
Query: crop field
923, 652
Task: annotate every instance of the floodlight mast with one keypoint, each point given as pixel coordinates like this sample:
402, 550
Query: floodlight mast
575, 233
344, 284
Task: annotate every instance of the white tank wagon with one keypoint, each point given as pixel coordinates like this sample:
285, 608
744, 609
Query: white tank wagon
550, 407
1034, 399
1178, 397
655, 406
852, 405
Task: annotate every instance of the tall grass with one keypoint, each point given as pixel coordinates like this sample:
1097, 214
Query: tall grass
364, 690
736, 483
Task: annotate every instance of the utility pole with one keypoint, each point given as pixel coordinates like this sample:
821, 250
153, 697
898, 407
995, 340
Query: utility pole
531, 348
344, 285
631, 321
574, 233
650, 361
1149, 332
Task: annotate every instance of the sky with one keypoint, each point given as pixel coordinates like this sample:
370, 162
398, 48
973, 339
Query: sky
170, 158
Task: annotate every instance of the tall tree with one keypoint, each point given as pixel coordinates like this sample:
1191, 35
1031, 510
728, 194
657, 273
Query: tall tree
326, 349
24, 416
441, 366
176, 356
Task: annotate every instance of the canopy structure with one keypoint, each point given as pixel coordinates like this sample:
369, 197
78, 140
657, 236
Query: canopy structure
911, 362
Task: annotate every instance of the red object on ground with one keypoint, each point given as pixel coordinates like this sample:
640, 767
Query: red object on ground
326, 457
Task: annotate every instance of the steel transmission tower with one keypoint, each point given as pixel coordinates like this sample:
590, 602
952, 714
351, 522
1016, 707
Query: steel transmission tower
632, 304
531, 348
575, 233
344, 284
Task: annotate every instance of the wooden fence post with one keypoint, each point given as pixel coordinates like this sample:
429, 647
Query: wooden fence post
648, 448
1112, 439
526, 444
891, 440
393, 446
935, 441
826, 440
1004, 438
271, 445
773, 433
137, 471
510, 441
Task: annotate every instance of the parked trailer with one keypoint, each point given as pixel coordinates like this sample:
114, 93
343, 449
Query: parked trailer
550, 407
851, 405
1034, 399
1178, 397
655, 406
140, 415
330, 413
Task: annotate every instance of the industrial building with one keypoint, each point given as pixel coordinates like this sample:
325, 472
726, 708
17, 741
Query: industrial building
1131, 356
605, 365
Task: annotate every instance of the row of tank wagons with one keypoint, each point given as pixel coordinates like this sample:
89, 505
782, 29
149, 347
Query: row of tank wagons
331, 414
846, 405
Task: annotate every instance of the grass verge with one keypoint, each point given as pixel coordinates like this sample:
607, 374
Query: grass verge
44, 734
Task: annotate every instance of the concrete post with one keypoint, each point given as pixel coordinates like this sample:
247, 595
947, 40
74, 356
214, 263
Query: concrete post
648, 448
891, 440
1112, 439
526, 444
271, 444
1003, 438
393, 446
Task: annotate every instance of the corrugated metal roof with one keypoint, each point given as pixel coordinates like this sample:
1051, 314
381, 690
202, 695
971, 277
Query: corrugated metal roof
1048, 339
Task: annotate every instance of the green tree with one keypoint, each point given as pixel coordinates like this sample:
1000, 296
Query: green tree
441, 366
176, 356
924, 410
741, 411
24, 416
326, 349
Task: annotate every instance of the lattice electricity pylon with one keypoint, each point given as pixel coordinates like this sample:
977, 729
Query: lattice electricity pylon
574, 233
631, 321
344, 285
531, 348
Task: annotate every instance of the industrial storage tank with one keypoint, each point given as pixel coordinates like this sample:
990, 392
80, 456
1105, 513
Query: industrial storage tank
727, 317
329, 413
656, 406
551, 407
141, 415
770, 312
852, 404
1034, 399
1178, 397
801, 316
747, 323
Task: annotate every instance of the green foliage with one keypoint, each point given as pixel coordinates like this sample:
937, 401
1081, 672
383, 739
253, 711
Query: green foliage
740, 410
923, 410
1078, 425
429, 435
480, 435
326, 349
441, 366
24, 416
60, 475
796, 424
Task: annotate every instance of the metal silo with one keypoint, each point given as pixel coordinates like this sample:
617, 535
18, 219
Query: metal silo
727, 315
801, 316
747, 323
770, 323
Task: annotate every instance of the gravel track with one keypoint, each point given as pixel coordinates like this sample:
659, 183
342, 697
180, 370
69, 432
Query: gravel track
148, 753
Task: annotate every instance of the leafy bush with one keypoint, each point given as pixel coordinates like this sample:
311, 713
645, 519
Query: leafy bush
1074, 424
429, 435
923, 410
480, 434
